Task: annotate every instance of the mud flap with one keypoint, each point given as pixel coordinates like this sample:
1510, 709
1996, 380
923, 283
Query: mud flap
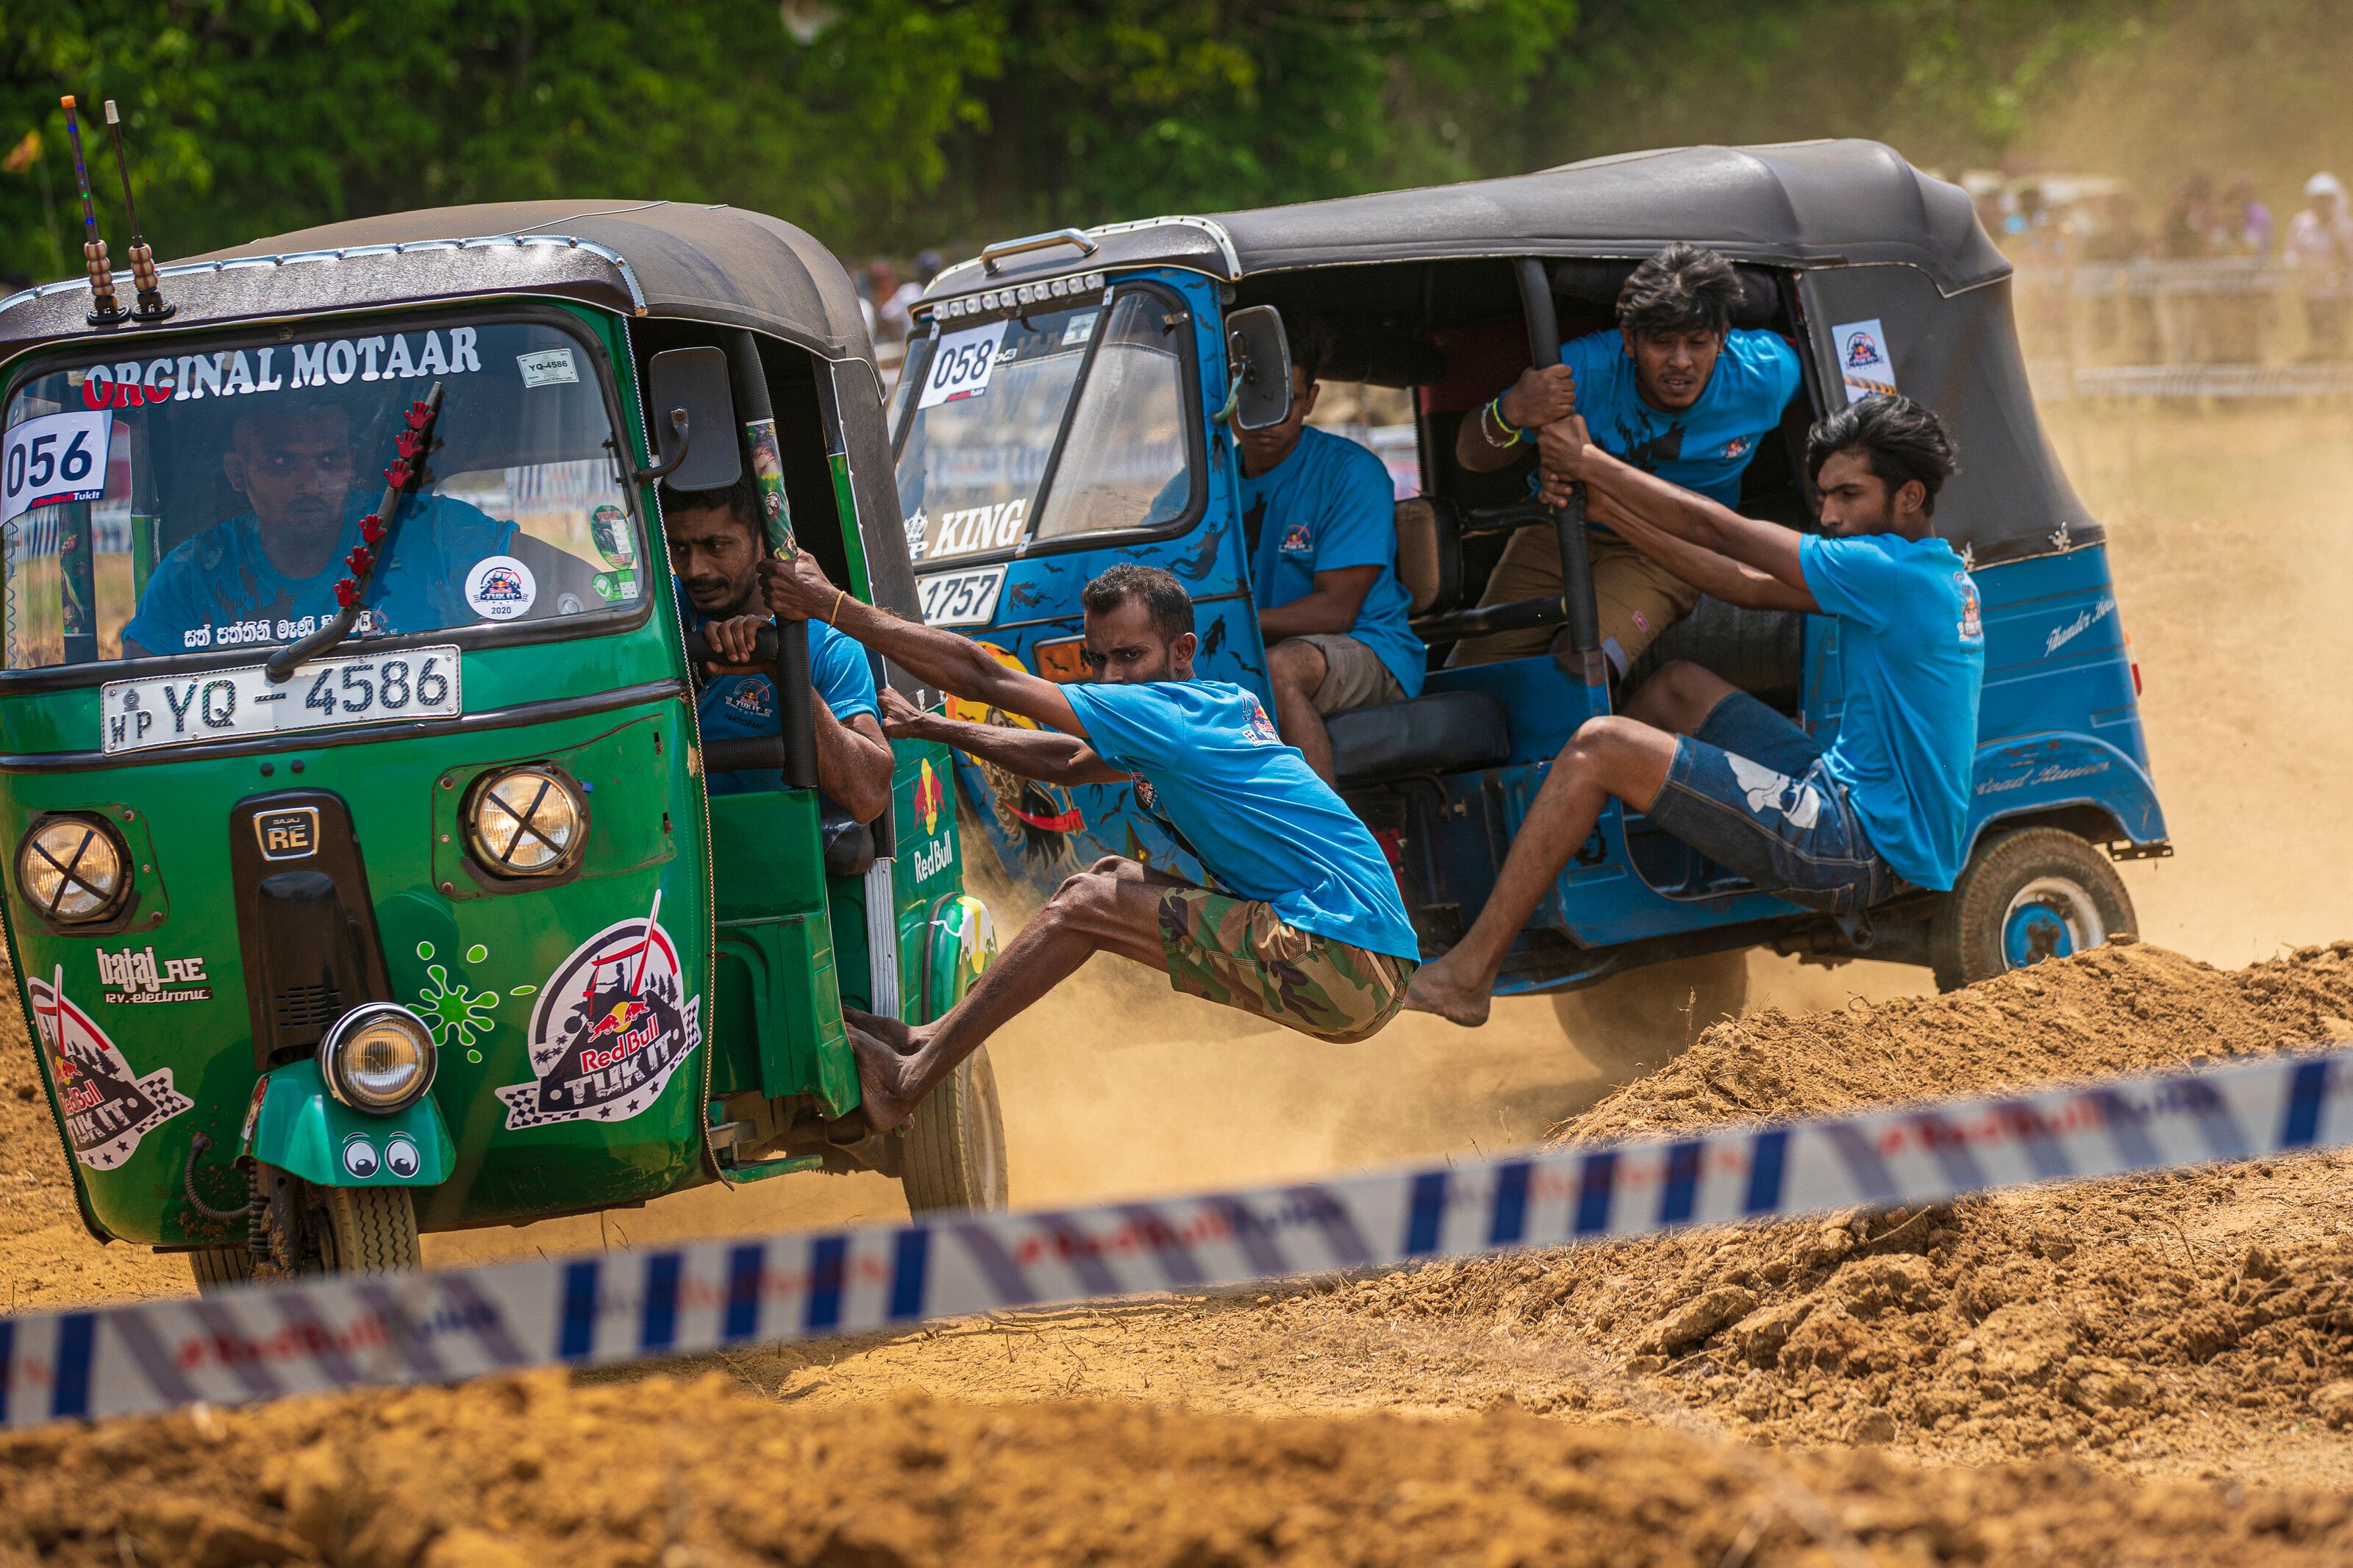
296, 1125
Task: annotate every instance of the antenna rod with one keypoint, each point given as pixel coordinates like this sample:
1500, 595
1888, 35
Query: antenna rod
151, 307
105, 308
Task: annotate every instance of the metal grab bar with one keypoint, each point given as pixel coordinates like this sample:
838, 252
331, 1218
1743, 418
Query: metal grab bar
991, 254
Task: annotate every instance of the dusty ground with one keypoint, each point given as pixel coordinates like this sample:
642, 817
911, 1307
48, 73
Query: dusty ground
2111, 1374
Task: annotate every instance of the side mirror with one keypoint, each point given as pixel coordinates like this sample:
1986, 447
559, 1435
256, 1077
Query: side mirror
1260, 356
693, 420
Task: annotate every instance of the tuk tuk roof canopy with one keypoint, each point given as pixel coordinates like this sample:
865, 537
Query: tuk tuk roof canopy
720, 264
1797, 203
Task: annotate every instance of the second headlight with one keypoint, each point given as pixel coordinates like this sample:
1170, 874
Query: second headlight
525, 821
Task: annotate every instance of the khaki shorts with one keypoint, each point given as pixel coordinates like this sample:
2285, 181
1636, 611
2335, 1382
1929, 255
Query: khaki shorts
1637, 598
1238, 952
1353, 675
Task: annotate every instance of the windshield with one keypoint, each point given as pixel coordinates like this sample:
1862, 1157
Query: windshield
203, 501
989, 402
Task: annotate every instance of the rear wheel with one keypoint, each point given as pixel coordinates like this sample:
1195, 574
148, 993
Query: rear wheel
217, 1268
954, 1155
2036, 893
366, 1230
1653, 1012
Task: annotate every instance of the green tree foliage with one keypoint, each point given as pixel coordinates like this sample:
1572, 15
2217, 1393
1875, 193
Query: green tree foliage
251, 117
902, 122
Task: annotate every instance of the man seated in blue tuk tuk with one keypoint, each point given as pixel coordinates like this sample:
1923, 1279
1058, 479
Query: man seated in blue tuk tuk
269, 575
1319, 516
1674, 390
1838, 829
716, 539
1303, 924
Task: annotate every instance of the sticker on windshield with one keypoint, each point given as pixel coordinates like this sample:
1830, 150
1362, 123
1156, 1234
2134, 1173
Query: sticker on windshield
962, 365
55, 458
547, 367
608, 525
1080, 325
501, 589
107, 1109
1866, 363
280, 367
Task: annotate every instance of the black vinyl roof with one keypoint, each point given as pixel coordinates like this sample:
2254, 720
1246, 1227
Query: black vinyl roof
720, 264
1797, 203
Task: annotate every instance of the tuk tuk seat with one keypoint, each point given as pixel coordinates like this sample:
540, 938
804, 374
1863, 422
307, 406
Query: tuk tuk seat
1440, 732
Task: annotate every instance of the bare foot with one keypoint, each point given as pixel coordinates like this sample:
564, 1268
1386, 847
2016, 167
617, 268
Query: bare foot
1434, 990
890, 1031
878, 1082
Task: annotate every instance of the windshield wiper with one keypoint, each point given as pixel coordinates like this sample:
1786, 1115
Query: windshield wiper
377, 536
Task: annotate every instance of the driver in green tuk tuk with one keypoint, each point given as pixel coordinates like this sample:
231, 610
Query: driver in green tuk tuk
716, 540
269, 577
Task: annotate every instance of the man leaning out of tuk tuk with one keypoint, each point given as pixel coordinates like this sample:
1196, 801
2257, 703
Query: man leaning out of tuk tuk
1304, 925
1836, 829
1674, 389
716, 540
1320, 518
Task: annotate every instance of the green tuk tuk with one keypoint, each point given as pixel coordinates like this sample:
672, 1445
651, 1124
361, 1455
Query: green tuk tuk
348, 906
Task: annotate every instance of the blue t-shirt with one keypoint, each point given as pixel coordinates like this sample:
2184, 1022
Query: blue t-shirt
1329, 506
741, 707
1210, 765
1912, 650
1705, 447
220, 588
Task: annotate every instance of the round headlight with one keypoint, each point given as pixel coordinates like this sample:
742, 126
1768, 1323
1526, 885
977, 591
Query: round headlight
70, 869
525, 821
379, 1058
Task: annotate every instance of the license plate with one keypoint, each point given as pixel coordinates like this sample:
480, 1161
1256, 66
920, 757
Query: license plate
237, 704
961, 598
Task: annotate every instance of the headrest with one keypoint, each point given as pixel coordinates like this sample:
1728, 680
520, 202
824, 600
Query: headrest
1596, 283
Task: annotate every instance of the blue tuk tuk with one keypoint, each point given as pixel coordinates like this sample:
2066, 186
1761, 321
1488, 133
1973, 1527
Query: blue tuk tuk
1060, 411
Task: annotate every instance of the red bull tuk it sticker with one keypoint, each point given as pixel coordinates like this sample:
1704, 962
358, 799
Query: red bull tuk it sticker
107, 1109
610, 1026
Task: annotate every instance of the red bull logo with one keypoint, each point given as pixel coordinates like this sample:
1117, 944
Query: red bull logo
930, 798
1863, 352
501, 585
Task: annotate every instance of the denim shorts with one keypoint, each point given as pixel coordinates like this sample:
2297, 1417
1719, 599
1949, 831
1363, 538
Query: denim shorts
1748, 792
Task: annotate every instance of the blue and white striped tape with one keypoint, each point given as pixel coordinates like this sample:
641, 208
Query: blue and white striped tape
265, 1342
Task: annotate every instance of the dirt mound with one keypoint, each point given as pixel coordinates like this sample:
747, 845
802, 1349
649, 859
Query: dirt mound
685, 1475
2127, 1007
2123, 1316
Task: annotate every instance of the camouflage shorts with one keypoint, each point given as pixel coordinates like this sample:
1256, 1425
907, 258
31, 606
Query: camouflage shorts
1238, 953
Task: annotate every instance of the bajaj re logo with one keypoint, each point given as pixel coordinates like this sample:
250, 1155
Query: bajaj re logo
292, 835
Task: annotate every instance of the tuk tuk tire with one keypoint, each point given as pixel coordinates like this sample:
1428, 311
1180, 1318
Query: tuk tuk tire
1988, 924
367, 1230
218, 1269
954, 1160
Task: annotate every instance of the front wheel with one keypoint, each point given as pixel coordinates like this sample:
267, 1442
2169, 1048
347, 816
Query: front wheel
366, 1231
218, 1269
955, 1155
2025, 896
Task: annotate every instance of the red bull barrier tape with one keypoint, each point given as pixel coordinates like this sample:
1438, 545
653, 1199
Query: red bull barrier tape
267, 1341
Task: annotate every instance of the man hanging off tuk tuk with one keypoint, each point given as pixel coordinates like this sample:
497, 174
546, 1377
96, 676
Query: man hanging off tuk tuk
1882, 809
1674, 389
1302, 923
